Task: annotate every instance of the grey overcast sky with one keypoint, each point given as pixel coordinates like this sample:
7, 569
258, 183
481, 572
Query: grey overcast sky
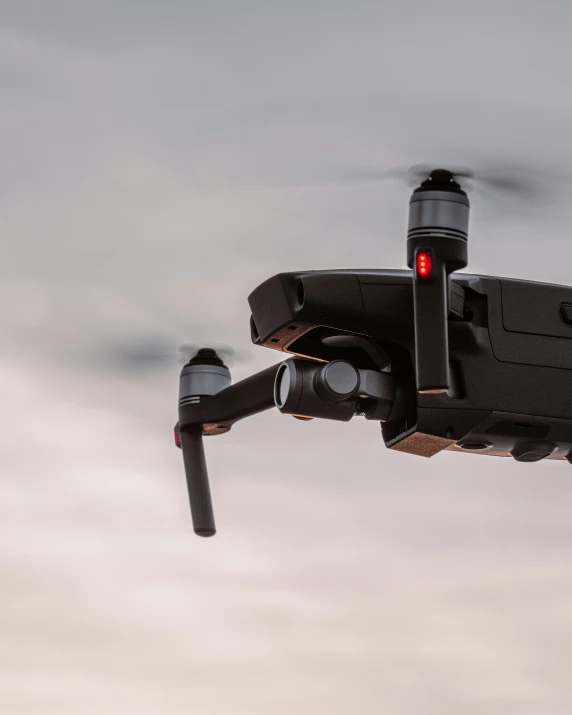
158, 161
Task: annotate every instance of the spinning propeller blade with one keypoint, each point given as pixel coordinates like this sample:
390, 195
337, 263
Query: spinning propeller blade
155, 353
518, 187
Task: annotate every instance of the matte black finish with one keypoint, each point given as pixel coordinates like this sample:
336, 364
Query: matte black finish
299, 391
438, 228
217, 413
336, 380
197, 481
444, 361
532, 452
431, 340
302, 390
211, 414
510, 387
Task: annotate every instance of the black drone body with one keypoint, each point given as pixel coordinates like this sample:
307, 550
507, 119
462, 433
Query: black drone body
444, 361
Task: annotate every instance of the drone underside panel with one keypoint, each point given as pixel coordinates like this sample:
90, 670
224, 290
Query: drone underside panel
510, 351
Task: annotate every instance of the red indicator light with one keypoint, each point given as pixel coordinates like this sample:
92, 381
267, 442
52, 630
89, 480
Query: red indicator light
177, 440
423, 264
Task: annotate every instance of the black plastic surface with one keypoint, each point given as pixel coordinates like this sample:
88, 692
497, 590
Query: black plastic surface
217, 413
535, 308
499, 371
197, 481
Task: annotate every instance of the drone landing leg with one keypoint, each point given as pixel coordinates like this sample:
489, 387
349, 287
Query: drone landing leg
198, 481
207, 406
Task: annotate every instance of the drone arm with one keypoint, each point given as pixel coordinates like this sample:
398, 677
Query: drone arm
436, 246
216, 413
213, 413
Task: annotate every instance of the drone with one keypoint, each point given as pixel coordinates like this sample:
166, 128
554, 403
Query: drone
442, 360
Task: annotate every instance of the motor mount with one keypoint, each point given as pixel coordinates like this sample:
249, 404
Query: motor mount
204, 375
436, 246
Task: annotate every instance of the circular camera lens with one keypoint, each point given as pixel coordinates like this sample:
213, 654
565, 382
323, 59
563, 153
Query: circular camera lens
282, 386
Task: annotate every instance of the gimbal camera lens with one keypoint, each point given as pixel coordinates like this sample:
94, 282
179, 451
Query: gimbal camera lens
307, 388
282, 385
288, 385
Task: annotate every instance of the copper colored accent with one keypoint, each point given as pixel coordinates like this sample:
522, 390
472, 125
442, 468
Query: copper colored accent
423, 445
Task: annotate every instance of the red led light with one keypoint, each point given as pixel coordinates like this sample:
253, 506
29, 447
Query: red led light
177, 440
423, 264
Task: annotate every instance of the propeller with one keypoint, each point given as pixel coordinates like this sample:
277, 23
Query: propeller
151, 353
521, 183
227, 354
516, 152
520, 186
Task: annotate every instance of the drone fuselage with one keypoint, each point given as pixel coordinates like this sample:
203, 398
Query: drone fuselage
510, 351
443, 360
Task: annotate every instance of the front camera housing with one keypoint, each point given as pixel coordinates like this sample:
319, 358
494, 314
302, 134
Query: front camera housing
333, 391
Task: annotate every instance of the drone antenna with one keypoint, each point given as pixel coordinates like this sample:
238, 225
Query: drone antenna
436, 246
